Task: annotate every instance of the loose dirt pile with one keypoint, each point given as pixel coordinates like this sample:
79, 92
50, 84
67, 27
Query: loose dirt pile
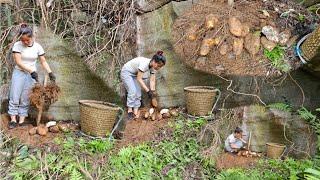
217, 38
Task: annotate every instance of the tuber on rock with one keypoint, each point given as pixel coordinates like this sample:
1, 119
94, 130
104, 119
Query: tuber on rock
211, 21
237, 46
235, 26
269, 45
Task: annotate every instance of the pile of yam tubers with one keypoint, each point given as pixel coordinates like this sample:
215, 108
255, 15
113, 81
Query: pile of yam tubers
243, 36
153, 114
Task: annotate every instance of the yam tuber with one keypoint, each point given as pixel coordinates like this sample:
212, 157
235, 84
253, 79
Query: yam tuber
235, 26
211, 21
237, 46
252, 43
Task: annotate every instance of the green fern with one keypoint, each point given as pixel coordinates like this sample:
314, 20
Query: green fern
312, 173
276, 56
75, 175
281, 106
306, 115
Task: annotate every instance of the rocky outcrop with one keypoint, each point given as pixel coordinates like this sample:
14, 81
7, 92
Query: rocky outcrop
75, 79
275, 126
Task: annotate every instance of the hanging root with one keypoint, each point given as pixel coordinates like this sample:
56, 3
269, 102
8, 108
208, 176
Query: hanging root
42, 97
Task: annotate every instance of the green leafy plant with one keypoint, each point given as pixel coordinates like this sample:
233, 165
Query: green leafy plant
306, 115
276, 56
301, 17
281, 106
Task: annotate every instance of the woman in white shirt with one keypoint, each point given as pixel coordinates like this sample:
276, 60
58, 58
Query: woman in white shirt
132, 75
25, 54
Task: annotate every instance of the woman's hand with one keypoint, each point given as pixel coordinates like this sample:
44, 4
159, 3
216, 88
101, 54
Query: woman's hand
34, 75
52, 77
46, 66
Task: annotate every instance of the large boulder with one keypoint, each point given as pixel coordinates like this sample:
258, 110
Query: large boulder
75, 79
275, 126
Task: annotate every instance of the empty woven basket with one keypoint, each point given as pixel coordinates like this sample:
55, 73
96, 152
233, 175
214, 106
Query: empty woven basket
200, 99
97, 117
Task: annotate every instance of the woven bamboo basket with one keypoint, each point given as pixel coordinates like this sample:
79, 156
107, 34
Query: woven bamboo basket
275, 150
311, 45
97, 118
200, 99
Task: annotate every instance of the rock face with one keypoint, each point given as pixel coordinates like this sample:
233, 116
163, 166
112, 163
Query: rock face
278, 127
74, 78
155, 32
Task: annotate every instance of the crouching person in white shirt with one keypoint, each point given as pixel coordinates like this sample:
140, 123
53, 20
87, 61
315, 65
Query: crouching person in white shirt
234, 143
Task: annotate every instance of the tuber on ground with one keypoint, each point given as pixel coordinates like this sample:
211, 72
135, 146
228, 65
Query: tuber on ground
211, 21
235, 26
237, 46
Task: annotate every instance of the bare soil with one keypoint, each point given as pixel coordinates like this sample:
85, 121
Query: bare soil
141, 130
136, 132
249, 13
228, 160
22, 133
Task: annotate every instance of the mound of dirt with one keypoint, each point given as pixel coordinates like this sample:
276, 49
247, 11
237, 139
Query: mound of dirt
216, 38
227, 161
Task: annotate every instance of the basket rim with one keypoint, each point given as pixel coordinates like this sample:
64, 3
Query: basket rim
200, 89
107, 105
276, 145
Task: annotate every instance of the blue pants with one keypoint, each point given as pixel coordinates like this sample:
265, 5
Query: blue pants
133, 88
239, 144
21, 84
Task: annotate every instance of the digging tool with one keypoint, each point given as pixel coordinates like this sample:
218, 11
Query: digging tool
249, 141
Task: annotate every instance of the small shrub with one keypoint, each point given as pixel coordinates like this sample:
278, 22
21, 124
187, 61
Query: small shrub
276, 56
